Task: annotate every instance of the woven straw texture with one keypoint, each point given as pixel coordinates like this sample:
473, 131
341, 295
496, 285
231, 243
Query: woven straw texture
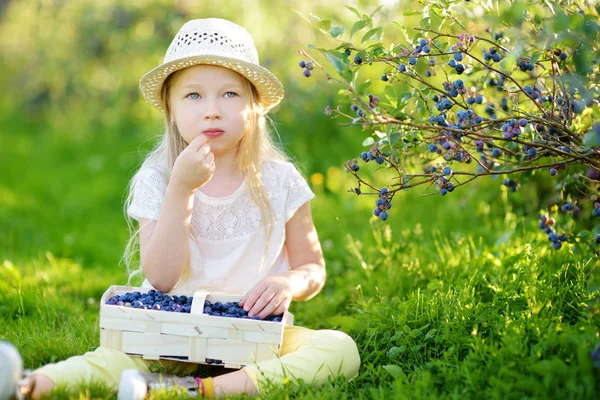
218, 42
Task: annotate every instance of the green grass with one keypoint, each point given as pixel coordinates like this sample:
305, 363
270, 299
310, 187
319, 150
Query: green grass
460, 297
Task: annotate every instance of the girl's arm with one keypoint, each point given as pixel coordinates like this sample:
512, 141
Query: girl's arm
164, 244
305, 278
307, 265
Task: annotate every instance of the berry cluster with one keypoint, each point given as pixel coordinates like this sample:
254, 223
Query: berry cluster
374, 153
546, 224
443, 185
531, 152
562, 55
308, 66
456, 64
490, 110
156, 300
442, 102
358, 111
525, 65
597, 209
373, 101
352, 165
512, 185
533, 92
477, 99
383, 204
569, 208
423, 46
430, 70
233, 310
512, 128
492, 55
554, 169
455, 88
153, 300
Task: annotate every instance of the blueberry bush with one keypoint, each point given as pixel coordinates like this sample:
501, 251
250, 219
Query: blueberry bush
514, 95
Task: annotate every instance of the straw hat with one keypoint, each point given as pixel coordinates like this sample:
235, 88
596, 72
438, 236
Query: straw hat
213, 41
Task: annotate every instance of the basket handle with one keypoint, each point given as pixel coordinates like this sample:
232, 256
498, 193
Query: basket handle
198, 302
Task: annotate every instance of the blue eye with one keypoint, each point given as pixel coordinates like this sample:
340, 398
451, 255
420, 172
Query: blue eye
233, 93
193, 94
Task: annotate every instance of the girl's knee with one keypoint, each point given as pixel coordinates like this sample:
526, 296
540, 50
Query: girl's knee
344, 347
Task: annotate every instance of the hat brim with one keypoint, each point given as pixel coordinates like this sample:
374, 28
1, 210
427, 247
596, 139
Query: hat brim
270, 89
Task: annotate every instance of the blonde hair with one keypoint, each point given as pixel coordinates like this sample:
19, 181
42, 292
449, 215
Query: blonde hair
255, 147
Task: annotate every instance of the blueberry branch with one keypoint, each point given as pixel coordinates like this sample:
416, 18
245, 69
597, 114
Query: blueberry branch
458, 37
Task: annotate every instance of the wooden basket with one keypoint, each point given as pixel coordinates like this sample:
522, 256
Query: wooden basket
193, 337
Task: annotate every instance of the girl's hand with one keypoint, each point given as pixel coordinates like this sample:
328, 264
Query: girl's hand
271, 296
194, 165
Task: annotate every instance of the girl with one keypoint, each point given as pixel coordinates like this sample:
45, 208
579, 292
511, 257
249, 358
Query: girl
219, 209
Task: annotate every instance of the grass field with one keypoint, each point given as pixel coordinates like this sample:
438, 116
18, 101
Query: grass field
460, 298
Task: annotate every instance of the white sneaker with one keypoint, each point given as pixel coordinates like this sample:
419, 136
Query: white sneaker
136, 385
11, 370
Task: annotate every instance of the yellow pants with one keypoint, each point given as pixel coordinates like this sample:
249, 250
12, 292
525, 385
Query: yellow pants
311, 355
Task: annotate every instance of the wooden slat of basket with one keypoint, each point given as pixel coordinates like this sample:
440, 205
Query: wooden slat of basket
193, 330
197, 349
152, 345
233, 351
110, 338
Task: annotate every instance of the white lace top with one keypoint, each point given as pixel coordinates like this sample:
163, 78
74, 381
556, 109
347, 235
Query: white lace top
230, 238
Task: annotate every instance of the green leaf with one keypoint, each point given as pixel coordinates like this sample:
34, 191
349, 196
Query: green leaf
344, 46
584, 235
302, 15
394, 351
354, 10
395, 371
368, 141
510, 62
514, 14
375, 33
323, 25
375, 11
312, 46
394, 137
358, 25
336, 31
337, 59
361, 87
436, 10
412, 12
391, 95
425, 23
405, 97
592, 139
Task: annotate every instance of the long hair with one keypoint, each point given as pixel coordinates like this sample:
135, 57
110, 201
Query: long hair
255, 147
